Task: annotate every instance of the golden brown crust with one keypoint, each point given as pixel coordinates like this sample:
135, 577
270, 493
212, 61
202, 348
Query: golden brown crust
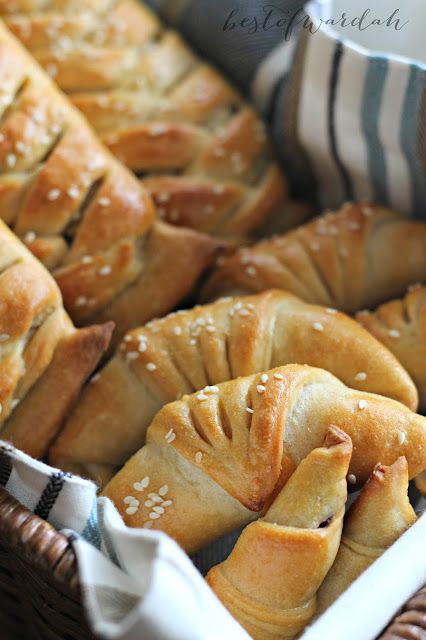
270, 579
44, 360
79, 210
401, 326
344, 259
211, 344
379, 516
249, 454
161, 110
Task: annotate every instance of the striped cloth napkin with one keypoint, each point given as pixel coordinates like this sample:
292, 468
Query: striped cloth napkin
136, 584
348, 119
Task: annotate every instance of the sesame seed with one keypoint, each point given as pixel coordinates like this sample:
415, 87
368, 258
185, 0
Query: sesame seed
354, 226
87, 259
367, 211
149, 503
11, 160
167, 503
170, 436
2, 137
53, 194
315, 246
264, 378
147, 525
249, 410
352, 478
201, 397
163, 490
1, 408
151, 366
159, 510
81, 301
4, 337
21, 147
402, 436
318, 326
192, 342
95, 378
211, 329
251, 271
154, 516
361, 376
343, 252
104, 202
129, 499
198, 457
212, 388
30, 236
362, 404
73, 192
52, 70
145, 482
158, 129
331, 311
394, 333
244, 312
14, 403
131, 510
142, 347
177, 331
105, 271
156, 498
260, 388
218, 189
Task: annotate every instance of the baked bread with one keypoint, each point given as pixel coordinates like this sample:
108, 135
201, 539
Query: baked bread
217, 458
401, 326
269, 581
203, 152
44, 360
207, 345
379, 516
84, 215
345, 260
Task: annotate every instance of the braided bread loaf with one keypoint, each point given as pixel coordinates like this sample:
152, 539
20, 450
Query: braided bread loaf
379, 516
269, 581
214, 461
204, 153
44, 360
208, 345
349, 259
82, 213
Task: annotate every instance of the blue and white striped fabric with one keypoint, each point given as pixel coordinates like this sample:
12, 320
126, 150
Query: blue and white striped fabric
136, 584
348, 122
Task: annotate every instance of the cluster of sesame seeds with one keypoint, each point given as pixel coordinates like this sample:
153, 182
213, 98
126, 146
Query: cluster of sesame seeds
170, 436
155, 501
203, 395
241, 309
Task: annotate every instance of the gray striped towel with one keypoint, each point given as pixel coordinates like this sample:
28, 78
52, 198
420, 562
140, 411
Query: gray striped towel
349, 122
136, 584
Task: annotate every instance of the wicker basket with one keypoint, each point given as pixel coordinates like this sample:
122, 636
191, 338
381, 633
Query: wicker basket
40, 594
